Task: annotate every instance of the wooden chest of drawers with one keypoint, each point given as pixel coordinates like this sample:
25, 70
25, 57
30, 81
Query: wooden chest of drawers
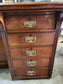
30, 36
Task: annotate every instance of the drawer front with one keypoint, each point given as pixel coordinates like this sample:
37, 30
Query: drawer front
31, 39
31, 52
36, 72
30, 22
30, 63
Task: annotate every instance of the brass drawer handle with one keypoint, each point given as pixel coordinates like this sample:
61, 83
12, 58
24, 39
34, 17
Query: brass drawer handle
31, 73
30, 53
30, 39
31, 63
30, 24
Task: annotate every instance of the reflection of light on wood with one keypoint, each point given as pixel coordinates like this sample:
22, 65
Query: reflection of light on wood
2, 20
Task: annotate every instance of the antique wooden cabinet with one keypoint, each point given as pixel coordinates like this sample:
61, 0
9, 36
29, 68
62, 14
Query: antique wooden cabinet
30, 32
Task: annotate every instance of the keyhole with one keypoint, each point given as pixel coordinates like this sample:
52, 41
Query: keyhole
30, 59
30, 35
30, 48
29, 18
30, 69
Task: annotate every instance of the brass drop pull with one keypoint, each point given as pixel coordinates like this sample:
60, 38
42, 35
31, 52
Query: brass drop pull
31, 73
30, 24
30, 53
31, 63
30, 39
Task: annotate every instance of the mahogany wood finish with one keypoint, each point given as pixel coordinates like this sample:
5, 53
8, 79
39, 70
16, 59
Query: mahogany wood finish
31, 49
16, 22
3, 57
40, 72
41, 39
42, 52
23, 63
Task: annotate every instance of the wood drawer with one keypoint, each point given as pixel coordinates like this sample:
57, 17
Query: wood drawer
21, 22
30, 62
31, 39
36, 72
31, 52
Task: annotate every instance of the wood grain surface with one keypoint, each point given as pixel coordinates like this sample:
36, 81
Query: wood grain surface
23, 63
41, 39
40, 72
17, 22
17, 38
20, 53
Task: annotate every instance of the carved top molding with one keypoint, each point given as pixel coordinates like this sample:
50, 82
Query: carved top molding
52, 6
